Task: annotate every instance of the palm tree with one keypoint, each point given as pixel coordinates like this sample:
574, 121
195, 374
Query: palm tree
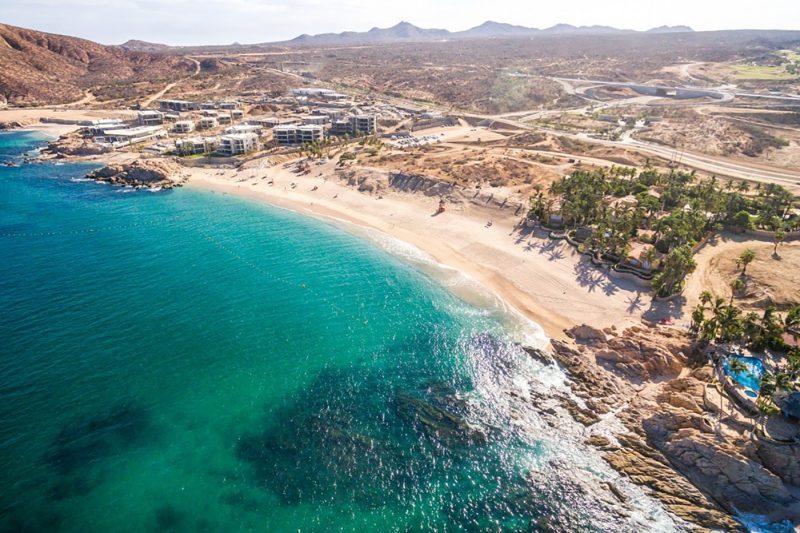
793, 362
780, 235
729, 324
678, 264
736, 365
791, 322
706, 297
719, 305
764, 402
783, 381
698, 317
752, 329
649, 256
771, 327
737, 286
746, 258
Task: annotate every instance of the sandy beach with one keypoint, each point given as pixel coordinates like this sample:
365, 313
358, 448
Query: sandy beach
545, 280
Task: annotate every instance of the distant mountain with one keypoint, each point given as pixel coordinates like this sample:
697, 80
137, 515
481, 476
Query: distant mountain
407, 32
491, 29
670, 29
135, 45
44, 68
569, 28
404, 31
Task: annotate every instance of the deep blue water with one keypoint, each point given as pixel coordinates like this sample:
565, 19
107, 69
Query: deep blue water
189, 361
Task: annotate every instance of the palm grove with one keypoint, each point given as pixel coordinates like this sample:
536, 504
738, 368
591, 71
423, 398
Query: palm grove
670, 212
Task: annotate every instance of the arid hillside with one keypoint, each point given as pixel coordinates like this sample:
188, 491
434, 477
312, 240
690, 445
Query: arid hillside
38, 67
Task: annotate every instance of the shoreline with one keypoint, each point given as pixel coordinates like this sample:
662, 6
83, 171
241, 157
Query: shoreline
534, 276
520, 274
510, 295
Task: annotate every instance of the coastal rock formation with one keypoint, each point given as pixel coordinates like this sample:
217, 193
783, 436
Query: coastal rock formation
698, 465
781, 459
75, 144
647, 467
140, 173
366, 181
637, 354
11, 125
423, 184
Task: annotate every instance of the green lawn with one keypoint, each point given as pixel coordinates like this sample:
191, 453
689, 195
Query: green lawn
762, 72
770, 72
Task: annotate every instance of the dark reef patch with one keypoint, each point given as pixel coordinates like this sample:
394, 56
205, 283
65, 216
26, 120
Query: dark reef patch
85, 441
77, 447
376, 438
168, 518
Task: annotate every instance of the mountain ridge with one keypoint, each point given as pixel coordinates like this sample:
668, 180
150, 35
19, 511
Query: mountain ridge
406, 32
40, 67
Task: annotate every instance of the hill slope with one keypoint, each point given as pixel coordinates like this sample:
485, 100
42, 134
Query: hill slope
43, 68
135, 45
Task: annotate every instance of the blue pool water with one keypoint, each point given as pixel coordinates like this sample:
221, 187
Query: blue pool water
751, 377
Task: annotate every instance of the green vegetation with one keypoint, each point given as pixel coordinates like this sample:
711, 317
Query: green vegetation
762, 72
678, 264
610, 210
788, 69
746, 257
727, 323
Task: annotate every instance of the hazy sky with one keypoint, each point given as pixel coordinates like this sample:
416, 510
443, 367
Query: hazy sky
251, 21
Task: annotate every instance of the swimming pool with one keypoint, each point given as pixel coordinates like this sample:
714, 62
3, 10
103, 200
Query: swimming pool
750, 378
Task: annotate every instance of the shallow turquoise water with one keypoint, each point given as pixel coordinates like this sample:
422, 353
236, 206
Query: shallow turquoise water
189, 361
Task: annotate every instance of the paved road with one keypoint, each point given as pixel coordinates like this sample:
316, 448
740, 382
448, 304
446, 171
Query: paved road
713, 165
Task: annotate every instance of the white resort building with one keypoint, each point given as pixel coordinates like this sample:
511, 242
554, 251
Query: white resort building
134, 135
151, 118
290, 134
176, 105
184, 126
237, 143
196, 145
245, 128
208, 123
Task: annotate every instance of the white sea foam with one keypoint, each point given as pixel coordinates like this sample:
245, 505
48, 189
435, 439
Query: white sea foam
521, 328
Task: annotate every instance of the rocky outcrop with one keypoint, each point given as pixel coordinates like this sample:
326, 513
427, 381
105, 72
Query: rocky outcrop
728, 476
427, 186
75, 144
703, 468
368, 181
646, 467
636, 355
781, 459
11, 125
152, 174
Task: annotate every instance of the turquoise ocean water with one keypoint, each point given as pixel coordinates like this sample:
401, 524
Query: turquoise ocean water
190, 361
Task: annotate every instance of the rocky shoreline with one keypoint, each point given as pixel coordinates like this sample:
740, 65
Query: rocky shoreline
75, 144
11, 125
142, 173
701, 463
